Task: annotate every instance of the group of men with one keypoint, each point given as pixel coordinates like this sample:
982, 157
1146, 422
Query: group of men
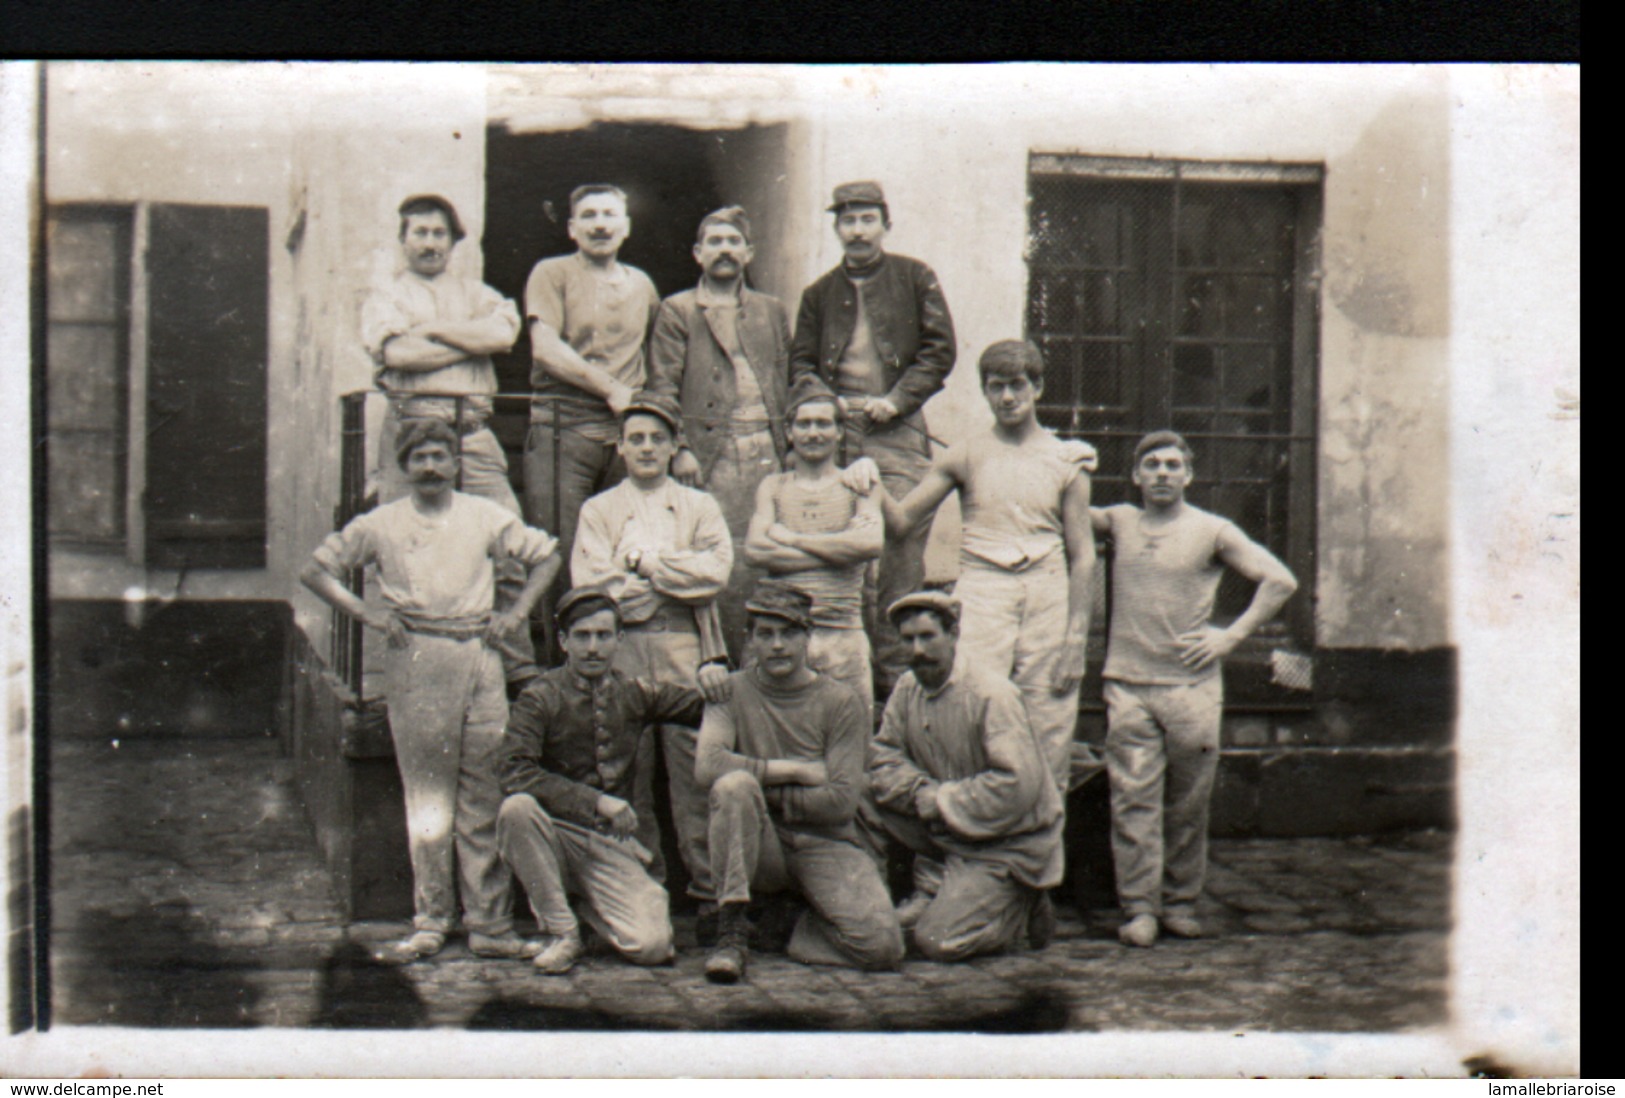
742, 510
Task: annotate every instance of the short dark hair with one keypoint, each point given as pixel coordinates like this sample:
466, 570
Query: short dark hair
420, 204
1009, 357
727, 215
415, 432
587, 190
587, 607
1158, 440
753, 616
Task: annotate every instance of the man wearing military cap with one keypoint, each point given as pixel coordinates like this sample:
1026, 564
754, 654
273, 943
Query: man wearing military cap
574, 757
877, 329
783, 759
813, 532
662, 550
960, 779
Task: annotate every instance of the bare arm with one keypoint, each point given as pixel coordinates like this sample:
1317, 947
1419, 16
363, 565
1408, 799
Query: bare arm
560, 360
761, 550
1276, 583
1100, 519
862, 540
1078, 533
920, 504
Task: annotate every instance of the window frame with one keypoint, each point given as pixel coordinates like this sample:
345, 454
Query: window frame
1301, 440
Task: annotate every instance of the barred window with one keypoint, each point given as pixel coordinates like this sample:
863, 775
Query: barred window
1182, 294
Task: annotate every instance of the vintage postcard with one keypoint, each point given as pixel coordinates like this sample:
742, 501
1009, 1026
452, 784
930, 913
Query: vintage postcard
334, 372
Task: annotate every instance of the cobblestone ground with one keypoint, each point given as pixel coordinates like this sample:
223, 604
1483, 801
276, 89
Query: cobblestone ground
186, 891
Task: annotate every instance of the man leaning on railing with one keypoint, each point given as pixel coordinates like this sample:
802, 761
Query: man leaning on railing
432, 334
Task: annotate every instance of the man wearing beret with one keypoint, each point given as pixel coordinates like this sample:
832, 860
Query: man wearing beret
434, 552
959, 779
722, 350
783, 759
816, 534
430, 331
877, 329
662, 551
574, 754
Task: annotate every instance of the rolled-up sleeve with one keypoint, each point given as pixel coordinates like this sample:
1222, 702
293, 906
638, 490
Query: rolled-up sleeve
351, 547
382, 319
500, 312
526, 544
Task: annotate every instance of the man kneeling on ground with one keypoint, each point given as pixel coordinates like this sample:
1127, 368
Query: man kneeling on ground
577, 746
959, 779
783, 759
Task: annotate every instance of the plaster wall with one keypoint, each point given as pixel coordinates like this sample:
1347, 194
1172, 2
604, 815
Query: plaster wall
952, 154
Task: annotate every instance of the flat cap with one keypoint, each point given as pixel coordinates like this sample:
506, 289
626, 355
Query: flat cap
589, 598
940, 601
808, 388
779, 600
658, 405
862, 193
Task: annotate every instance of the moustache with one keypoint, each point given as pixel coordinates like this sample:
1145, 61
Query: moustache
428, 476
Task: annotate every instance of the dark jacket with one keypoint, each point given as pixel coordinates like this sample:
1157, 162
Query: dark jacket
686, 361
908, 316
570, 739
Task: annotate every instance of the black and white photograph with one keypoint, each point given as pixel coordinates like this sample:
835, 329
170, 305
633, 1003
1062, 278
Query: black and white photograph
744, 569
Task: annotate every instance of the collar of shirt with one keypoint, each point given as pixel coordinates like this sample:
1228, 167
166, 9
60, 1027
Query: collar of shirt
582, 684
707, 298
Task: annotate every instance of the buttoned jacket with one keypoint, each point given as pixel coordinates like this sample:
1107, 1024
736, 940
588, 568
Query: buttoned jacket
570, 739
912, 329
686, 361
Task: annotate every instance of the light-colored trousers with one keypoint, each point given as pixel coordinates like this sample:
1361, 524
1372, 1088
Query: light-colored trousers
1162, 753
742, 464
672, 657
1014, 623
447, 709
976, 906
850, 921
556, 858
